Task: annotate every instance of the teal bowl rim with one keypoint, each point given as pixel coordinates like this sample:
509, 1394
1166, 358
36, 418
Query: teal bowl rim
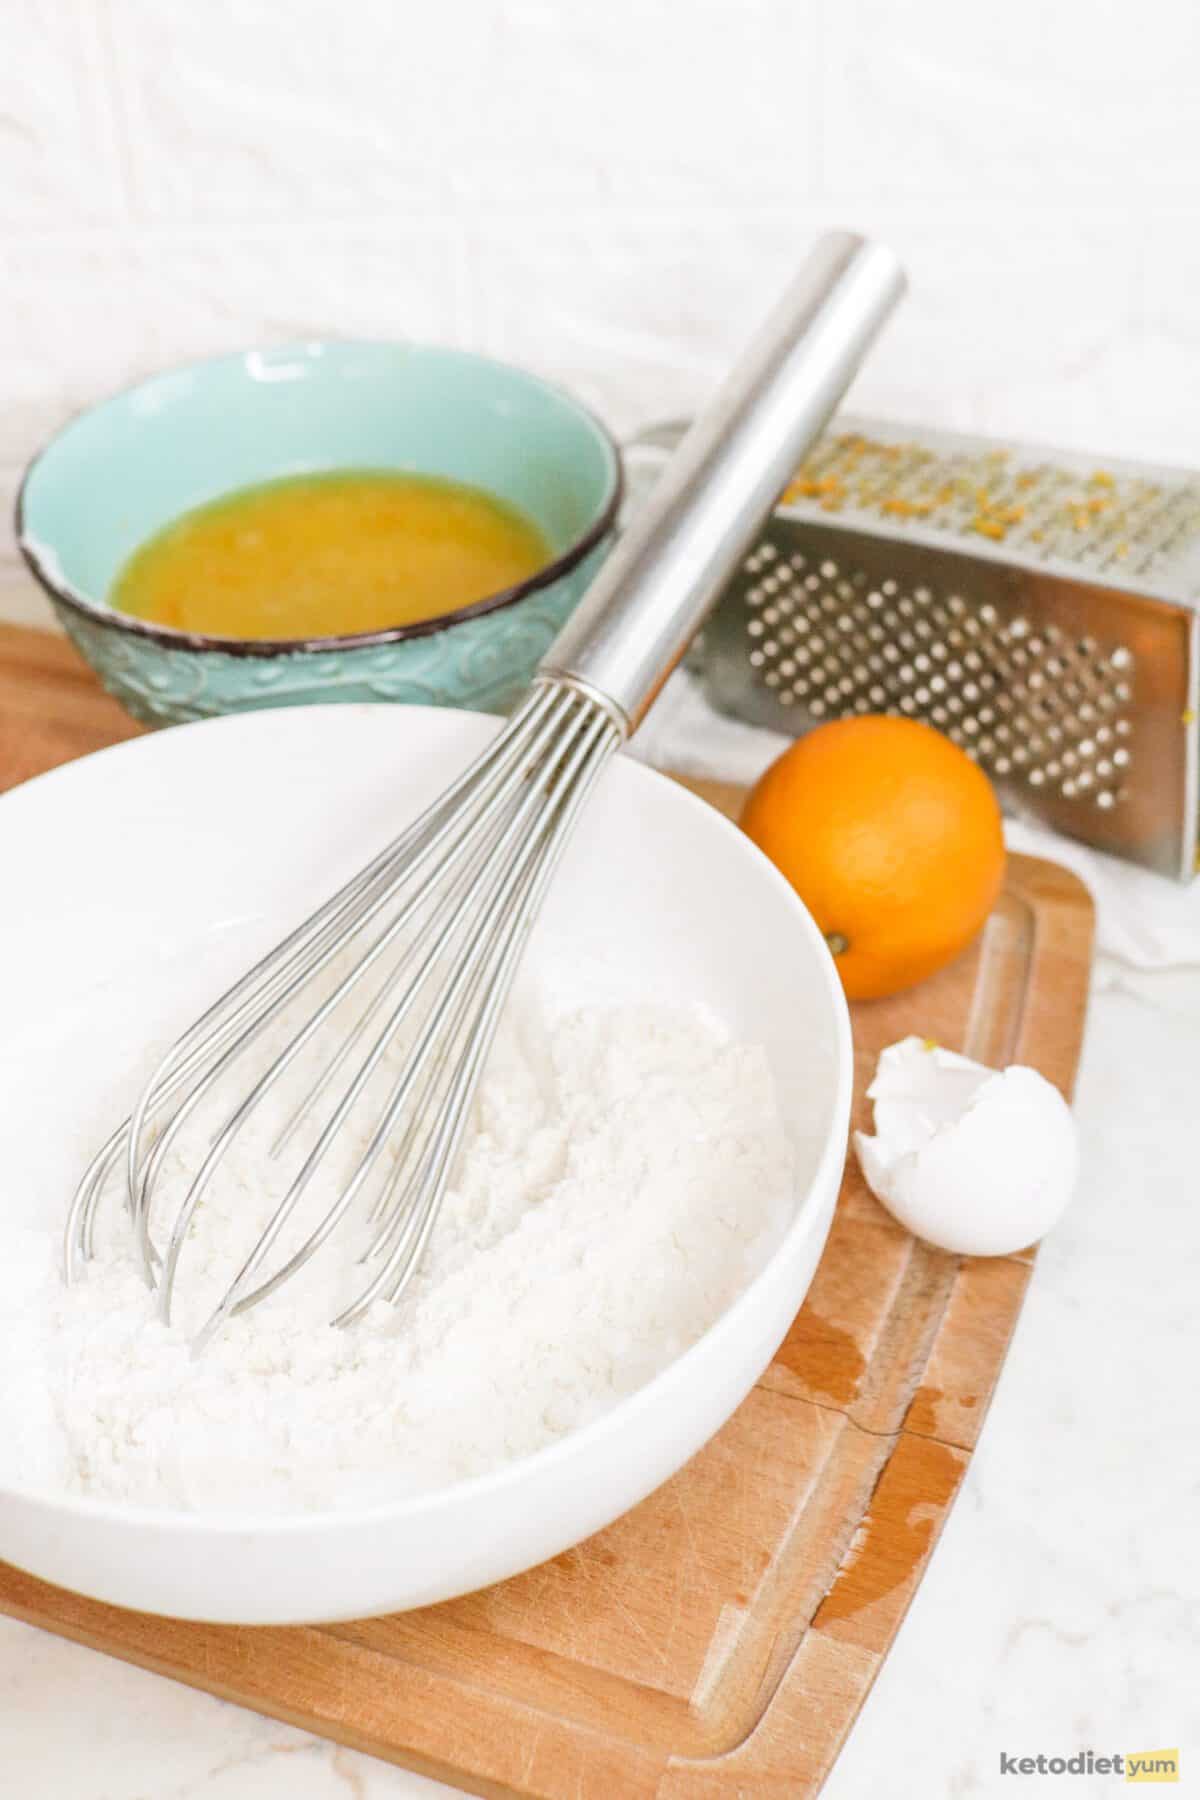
171, 639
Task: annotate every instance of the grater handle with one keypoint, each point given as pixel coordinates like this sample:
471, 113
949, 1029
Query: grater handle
666, 573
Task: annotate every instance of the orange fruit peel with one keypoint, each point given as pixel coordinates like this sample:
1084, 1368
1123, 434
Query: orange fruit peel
893, 839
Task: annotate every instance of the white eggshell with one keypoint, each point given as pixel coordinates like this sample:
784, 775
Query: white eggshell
974, 1160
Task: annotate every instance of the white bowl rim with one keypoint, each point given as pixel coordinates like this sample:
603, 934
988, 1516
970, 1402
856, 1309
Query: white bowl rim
230, 1523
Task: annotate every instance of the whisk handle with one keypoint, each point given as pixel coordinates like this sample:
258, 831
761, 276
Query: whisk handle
666, 573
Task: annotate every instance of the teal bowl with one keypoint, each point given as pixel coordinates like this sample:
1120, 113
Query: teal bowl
124, 469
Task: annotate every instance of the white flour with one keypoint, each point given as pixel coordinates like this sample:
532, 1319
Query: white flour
626, 1174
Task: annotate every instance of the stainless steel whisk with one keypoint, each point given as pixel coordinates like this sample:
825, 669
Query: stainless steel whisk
443, 912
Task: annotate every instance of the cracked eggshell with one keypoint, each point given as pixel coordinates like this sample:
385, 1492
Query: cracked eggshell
974, 1160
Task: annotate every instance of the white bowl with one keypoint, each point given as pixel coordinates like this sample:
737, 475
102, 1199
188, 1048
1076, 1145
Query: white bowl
139, 879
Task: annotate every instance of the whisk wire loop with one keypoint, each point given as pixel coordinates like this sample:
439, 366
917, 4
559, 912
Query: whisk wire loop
495, 890
439, 919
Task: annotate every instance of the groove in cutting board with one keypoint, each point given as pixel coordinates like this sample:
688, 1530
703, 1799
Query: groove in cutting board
718, 1640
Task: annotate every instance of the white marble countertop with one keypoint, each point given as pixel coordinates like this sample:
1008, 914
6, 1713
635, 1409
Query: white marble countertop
1061, 1609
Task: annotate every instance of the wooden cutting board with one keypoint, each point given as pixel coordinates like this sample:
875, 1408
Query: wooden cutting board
719, 1639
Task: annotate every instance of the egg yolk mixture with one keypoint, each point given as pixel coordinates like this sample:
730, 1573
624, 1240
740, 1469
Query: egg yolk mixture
328, 555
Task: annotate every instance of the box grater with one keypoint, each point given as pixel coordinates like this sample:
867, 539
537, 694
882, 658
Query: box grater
1038, 607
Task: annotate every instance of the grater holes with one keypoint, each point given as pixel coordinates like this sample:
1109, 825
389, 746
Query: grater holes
1030, 701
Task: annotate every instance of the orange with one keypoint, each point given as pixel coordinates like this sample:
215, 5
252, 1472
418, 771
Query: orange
891, 836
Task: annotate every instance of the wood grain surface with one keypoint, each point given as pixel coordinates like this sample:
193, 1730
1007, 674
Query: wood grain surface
718, 1640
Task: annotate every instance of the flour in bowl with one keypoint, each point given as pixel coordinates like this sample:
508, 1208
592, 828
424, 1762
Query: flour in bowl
625, 1175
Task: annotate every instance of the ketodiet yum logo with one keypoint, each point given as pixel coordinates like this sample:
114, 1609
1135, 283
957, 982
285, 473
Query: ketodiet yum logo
1127, 1765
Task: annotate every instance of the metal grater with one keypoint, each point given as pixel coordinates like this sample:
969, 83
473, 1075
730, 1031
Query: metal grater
1038, 607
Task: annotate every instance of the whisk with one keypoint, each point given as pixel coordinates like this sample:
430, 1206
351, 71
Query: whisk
440, 917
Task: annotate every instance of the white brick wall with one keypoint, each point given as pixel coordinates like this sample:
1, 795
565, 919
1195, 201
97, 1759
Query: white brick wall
608, 192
